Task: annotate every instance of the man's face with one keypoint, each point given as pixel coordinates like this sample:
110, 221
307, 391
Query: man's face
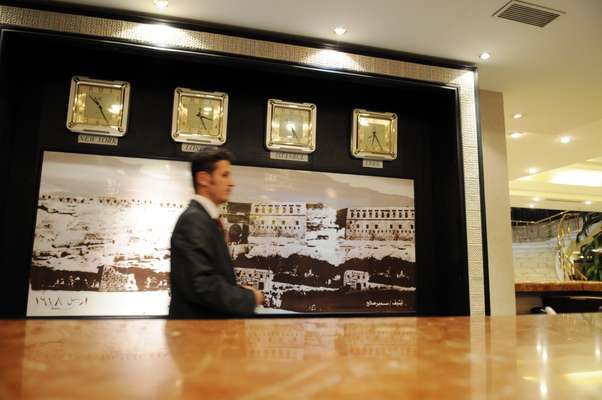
220, 182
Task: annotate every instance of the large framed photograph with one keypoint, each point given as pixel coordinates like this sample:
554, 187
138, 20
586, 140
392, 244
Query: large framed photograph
312, 241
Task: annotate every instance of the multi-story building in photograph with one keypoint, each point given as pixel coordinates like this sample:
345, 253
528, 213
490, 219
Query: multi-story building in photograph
278, 219
356, 279
260, 279
235, 217
380, 223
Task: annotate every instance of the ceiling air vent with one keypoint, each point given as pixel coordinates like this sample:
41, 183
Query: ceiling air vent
528, 13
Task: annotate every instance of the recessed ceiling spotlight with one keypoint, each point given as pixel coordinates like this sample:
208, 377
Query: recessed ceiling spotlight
516, 135
517, 116
340, 30
161, 3
565, 139
531, 205
532, 170
588, 202
536, 198
485, 55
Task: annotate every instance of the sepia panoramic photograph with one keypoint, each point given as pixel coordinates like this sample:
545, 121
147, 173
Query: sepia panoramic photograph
312, 242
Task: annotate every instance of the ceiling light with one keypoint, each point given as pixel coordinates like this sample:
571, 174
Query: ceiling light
536, 199
161, 3
517, 116
531, 205
485, 55
565, 139
532, 170
577, 177
516, 135
340, 30
588, 202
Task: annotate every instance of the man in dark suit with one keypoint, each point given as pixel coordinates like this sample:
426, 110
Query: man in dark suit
203, 283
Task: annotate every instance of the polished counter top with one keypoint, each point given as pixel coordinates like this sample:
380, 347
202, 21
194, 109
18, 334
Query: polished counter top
524, 357
558, 286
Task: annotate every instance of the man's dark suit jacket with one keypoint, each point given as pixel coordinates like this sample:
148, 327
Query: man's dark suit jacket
203, 283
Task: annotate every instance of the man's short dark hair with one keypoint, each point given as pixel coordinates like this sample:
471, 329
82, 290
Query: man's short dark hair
205, 160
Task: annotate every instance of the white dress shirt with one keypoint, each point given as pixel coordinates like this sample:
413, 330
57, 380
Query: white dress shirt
208, 205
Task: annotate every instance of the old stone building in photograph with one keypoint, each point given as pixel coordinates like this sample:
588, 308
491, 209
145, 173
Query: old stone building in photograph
285, 219
380, 223
115, 281
260, 279
235, 217
356, 279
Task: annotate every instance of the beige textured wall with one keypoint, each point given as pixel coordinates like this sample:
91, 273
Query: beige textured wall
497, 204
535, 261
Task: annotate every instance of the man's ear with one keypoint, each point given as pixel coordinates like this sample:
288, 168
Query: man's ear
202, 178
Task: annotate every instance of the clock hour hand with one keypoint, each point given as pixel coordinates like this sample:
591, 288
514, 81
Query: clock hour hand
202, 118
95, 100
375, 137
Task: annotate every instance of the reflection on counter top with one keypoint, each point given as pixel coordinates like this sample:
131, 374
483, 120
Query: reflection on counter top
524, 357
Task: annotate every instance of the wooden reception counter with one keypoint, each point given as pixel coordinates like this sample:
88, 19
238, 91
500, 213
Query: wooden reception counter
524, 357
562, 296
558, 286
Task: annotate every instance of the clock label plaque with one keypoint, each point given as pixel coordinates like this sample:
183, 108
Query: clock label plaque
191, 147
199, 117
372, 163
291, 127
98, 107
93, 139
280, 155
374, 135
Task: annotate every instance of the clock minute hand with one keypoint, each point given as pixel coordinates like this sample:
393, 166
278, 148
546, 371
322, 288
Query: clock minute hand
377, 141
202, 117
373, 136
95, 100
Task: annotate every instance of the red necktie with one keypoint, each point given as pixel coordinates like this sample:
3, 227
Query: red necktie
220, 226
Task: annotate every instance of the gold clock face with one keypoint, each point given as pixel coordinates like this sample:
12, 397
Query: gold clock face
374, 135
98, 107
199, 117
291, 127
